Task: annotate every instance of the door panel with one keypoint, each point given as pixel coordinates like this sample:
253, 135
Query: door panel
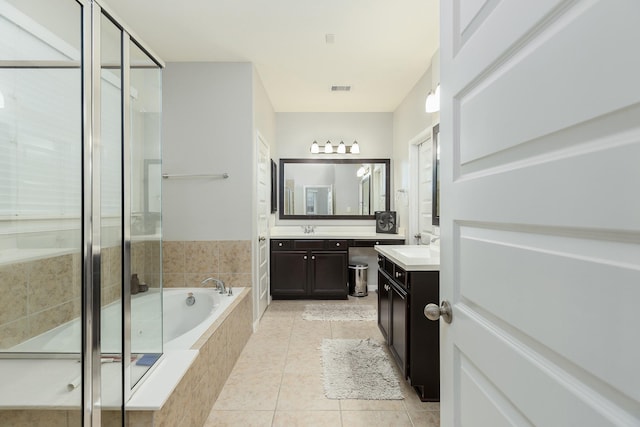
263, 194
540, 221
329, 273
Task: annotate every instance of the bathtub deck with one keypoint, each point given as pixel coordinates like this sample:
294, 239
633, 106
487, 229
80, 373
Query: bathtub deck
42, 383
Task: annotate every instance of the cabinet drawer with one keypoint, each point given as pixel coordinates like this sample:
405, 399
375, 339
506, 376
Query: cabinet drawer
308, 244
399, 275
280, 244
337, 244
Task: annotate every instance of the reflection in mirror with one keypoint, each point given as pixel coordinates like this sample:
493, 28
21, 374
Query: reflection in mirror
435, 213
333, 188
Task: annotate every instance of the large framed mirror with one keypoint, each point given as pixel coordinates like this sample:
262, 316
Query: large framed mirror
435, 204
333, 188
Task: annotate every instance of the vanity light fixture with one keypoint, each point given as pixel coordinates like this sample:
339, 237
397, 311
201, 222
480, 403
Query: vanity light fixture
342, 148
328, 148
315, 149
432, 104
355, 148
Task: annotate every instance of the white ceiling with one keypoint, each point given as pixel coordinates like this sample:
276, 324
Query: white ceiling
381, 49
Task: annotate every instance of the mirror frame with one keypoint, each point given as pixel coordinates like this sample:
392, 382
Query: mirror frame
435, 197
283, 162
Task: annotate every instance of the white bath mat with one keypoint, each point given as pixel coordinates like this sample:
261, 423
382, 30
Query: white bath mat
358, 369
339, 312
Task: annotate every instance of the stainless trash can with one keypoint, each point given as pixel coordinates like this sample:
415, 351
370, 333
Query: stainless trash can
358, 279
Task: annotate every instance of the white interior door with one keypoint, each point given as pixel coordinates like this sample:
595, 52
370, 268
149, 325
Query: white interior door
425, 180
263, 166
540, 224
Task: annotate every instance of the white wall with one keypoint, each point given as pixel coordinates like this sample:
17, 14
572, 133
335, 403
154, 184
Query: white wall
208, 128
296, 131
264, 117
409, 120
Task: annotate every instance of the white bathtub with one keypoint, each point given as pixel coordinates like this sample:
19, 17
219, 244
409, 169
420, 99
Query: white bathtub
42, 383
182, 324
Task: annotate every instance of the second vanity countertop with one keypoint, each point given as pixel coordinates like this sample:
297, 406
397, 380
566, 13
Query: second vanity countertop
412, 257
321, 232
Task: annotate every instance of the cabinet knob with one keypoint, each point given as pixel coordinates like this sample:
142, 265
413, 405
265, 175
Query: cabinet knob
313, 257
305, 257
337, 244
280, 244
377, 243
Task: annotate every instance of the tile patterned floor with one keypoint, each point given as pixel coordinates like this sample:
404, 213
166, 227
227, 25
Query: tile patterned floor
277, 380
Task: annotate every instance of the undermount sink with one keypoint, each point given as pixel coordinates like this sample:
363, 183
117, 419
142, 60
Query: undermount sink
414, 252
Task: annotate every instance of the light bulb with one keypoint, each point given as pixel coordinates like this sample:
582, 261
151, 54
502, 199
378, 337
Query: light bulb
355, 148
328, 148
342, 148
315, 149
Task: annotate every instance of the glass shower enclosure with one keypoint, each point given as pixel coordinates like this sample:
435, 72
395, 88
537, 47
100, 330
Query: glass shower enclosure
80, 213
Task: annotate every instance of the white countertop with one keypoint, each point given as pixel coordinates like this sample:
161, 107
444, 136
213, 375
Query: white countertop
412, 257
329, 232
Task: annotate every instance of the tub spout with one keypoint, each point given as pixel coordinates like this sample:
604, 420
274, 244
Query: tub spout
219, 284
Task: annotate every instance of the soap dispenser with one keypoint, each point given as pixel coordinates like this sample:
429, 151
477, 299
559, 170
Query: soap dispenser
135, 284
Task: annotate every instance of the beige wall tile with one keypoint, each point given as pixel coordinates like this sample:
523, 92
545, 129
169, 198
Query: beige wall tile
201, 257
14, 333
173, 260
139, 419
33, 418
173, 280
242, 280
235, 256
50, 283
48, 319
13, 292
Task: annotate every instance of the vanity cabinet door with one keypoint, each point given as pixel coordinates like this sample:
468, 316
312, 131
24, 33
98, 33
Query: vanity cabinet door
398, 340
289, 272
384, 305
328, 274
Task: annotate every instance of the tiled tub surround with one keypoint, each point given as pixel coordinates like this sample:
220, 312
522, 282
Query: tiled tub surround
187, 263
192, 378
40, 288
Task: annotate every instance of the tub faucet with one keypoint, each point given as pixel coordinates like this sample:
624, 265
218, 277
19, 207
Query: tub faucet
435, 239
219, 284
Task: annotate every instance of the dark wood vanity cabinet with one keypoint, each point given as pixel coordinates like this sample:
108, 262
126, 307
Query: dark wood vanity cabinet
310, 268
412, 339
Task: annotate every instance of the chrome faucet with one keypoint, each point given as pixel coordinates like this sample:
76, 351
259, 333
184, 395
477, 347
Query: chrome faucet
434, 239
219, 284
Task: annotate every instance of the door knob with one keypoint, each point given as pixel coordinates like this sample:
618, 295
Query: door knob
433, 312
261, 239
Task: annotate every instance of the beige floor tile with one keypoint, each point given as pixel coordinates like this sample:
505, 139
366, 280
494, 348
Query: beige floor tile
372, 405
376, 418
281, 368
304, 359
239, 418
248, 393
304, 392
307, 419
425, 418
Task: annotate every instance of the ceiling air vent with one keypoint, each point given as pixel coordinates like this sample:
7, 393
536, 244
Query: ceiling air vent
340, 88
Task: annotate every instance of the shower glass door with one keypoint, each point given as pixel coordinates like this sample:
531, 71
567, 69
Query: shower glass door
145, 109
41, 146
111, 168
